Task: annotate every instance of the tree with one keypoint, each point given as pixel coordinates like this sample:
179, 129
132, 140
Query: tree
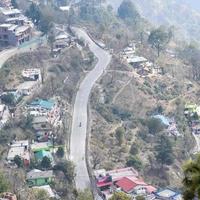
67, 168
120, 196
40, 194
34, 13
128, 11
85, 194
18, 161
134, 149
4, 185
14, 3
8, 99
96, 157
158, 39
191, 181
46, 162
154, 125
51, 40
164, 151
134, 161
60, 152
140, 198
119, 134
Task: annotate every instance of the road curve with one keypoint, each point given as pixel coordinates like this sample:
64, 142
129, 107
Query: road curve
78, 134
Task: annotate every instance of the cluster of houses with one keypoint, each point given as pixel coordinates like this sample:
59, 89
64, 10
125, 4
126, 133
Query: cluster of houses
142, 66
36, 179
192, 113
127, 180
15, 28
170, 125
62, 39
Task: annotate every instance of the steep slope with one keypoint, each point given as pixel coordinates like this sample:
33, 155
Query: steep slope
183, 14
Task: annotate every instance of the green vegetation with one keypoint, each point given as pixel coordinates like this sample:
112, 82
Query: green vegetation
191, 179
40, 194
60, 152
8, 99
134, 161
127, 11
46, 163
18, 161
14, 3
67, 168
158, 39
154, 125
120, 134
4, 185
164, 151
120, 196
83, 195
134, 149
140, 198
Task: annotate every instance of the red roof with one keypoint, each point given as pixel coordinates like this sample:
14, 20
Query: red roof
126, 184
103, 184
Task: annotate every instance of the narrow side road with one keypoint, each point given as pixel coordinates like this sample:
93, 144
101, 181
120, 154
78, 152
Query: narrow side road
79, 123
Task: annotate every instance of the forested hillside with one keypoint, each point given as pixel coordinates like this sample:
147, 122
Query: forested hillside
186, 20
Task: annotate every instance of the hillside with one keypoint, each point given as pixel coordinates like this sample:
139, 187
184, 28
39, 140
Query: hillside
187, 20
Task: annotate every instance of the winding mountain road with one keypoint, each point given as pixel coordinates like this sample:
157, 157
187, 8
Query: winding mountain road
80, 117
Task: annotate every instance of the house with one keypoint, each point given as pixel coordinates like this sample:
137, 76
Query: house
5, 3
21, 149
41, 107
168, 194
105, 179
190, 110
38, 178
39, 155
14, 35
41, 123
136, 61
48, 190
8, 196
26, 88
39, 146
133, 185
62, 40
33, 74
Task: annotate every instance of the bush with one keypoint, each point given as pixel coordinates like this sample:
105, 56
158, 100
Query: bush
122, 114
46, 163
154, 125
8, 99
134, 149
60, 152
119, 134
18, 161
134, 161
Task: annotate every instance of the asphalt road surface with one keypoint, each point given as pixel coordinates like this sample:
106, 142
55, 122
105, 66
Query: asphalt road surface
79, 123
29, 46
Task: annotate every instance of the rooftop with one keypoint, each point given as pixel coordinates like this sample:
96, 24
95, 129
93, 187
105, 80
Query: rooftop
46, 104
117, 174
41, 154
35, 174
38, 146
167, 193
26, 85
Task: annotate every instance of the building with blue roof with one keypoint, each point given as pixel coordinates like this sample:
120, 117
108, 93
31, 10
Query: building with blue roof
41, 154
168, 194
43, 104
